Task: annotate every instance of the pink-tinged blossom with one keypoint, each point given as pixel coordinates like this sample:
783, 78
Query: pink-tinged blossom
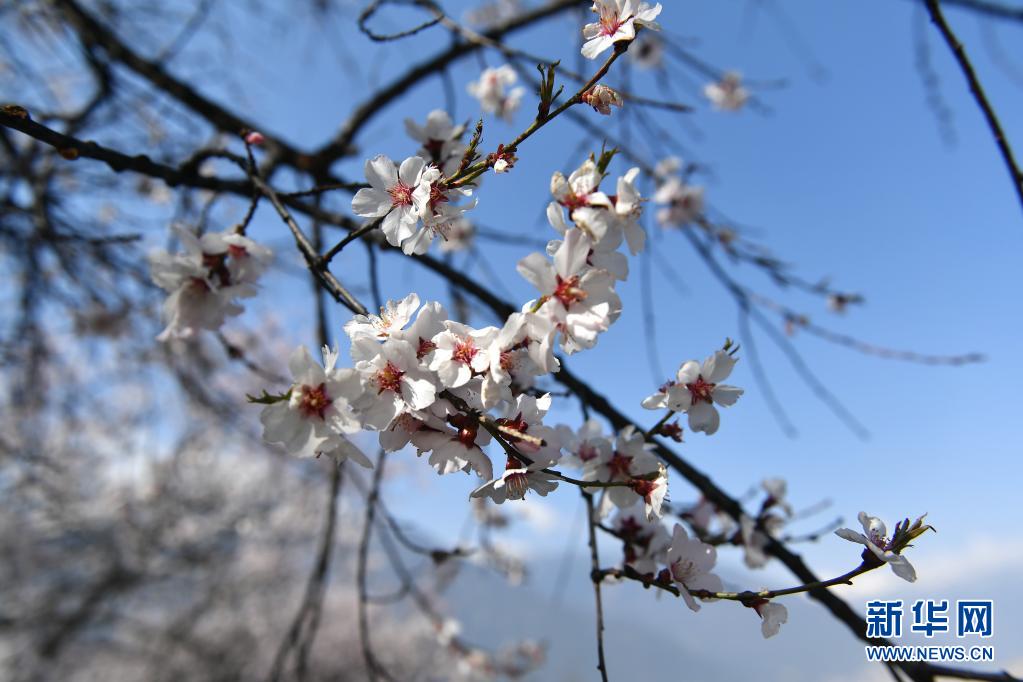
696, 390
689, 564
460, 352
875, 538
392, 318
579, 299
773, 615
317, 413
630, 462
602, 98
392, 381
441, 214
428, 324
440, 139
682, 203
399, 433
522, 422
617, 21
492, 91
604, 253
588, 444
456, 448
646, 541
514, 357
580, 189
516, 481
727, 94
206, 280
399, 195
705, 518
525, 416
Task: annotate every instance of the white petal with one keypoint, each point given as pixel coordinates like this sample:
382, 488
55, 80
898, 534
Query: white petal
704, 417
381, 172
726, 395
902, 568
851, 536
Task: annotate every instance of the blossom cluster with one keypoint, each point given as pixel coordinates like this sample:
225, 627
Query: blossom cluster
205, 281
459, 394
577, 284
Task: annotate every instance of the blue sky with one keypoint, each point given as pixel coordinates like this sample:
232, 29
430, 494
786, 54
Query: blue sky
847, 177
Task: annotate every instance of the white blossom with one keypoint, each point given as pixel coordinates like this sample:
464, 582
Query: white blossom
392, 318
491, 92
774, 615
646, 540
392, 381
317, 413
399, 195
628, 206
440, 139
617, 21
205, 281
727, 94
689, 563
697, 389
456, 448
683, 202
579, 299
460, 352
875, 538
602, 98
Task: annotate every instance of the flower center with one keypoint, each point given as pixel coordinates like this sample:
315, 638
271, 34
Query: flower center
507, 360
644, 488
425, 348
315, 401
610, 23
587, 452
437, 196
389, 379
572, 201
216, 263
236, 251
700, 390
683, 570
517, 485
464, 351
619, 465
568, 292
401, 194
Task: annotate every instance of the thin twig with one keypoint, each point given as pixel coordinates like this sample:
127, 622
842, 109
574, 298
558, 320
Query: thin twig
596, 579
934, 9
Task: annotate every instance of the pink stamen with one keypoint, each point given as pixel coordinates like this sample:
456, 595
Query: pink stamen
389, 379
315, 401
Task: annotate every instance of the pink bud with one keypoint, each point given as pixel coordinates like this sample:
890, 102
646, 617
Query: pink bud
254, 138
